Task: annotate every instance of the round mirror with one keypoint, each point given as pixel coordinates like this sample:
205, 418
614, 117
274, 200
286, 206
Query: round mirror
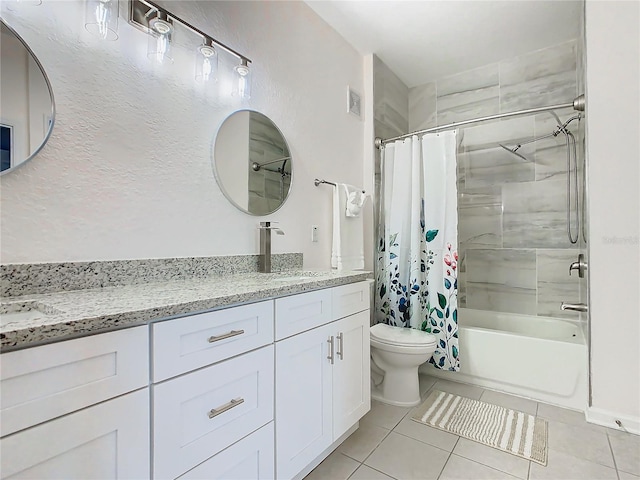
252, 162
26, 102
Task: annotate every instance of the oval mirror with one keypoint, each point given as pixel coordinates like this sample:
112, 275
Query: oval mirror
26, 102
252, 162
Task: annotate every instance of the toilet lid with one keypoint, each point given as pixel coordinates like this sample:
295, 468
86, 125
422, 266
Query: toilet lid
401, 336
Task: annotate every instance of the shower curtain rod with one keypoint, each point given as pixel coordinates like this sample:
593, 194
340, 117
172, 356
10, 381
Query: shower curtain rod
577, 104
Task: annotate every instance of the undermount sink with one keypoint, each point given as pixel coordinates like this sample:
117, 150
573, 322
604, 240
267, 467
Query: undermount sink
11, 312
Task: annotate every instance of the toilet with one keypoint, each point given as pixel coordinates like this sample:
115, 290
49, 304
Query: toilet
396, 354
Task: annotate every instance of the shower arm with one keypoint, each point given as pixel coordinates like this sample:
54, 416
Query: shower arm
562, 128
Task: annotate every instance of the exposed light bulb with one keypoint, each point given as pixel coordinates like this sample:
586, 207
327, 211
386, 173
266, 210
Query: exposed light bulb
206, 62
159, 46
242, 85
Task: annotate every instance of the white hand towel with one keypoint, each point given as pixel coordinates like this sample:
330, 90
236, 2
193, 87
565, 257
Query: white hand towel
355, 200
347, 252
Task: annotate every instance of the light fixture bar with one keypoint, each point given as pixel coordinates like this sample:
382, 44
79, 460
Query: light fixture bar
141, 11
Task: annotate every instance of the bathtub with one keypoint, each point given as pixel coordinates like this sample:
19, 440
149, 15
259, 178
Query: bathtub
541, 358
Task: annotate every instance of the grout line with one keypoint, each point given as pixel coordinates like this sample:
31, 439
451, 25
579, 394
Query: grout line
384, 473
430, 444
615, 465
448, 458
378, 445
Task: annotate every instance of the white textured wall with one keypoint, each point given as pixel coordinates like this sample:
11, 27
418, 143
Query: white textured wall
613, 145
127, 172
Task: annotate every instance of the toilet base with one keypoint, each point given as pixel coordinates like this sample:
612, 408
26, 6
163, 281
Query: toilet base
400, 388
380, 398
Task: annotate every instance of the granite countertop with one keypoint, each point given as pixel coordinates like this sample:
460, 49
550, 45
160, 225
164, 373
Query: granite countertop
49, 317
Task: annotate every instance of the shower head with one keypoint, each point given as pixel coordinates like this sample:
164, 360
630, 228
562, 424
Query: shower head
513, 151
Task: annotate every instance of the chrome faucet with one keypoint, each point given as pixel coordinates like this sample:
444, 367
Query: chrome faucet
580, 265
576, 307
264, 261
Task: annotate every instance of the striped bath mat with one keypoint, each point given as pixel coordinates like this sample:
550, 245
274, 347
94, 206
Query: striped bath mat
508, 430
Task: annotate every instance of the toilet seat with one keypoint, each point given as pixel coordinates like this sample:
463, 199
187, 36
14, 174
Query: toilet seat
399, 336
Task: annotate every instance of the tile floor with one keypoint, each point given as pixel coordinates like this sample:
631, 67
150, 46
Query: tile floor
389, 445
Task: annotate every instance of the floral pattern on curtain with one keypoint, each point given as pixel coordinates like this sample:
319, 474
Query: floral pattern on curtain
417, 264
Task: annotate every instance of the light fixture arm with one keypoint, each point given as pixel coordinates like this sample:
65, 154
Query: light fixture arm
142, 11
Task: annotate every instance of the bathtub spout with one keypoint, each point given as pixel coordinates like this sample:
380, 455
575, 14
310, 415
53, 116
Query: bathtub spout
576, 307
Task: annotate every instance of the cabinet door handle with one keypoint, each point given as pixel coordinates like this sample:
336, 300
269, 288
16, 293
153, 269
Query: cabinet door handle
227, 406
340, 345
330, 342
230, 334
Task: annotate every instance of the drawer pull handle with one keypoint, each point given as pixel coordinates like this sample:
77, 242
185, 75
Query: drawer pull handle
227, 406
330, 356
340, 345
232, 333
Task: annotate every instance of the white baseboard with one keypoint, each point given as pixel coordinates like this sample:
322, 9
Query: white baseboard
608, 419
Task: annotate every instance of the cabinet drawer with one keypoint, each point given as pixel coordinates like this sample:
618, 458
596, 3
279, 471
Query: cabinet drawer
201, 413
252, 458
45, 382
349, 299
108, 440
187, 343
302, 312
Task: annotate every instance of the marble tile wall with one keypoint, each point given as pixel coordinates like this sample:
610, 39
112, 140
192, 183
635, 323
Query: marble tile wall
390, 97
582, 168
471, 94
391, 115
511, 209
267, 187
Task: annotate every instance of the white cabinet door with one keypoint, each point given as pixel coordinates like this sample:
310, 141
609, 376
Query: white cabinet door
351, 374
249, 459
108, 440
303, 400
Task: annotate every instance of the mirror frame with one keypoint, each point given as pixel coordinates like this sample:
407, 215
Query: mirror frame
53, 101
217, 175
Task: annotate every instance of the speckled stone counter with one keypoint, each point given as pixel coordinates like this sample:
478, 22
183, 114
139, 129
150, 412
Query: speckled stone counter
63, 315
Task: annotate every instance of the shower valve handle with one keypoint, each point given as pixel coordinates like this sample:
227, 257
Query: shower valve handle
580, 266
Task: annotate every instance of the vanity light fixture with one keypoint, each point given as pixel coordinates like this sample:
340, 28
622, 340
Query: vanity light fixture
161, 24
206, 61
242, 81
159, 46
101, 18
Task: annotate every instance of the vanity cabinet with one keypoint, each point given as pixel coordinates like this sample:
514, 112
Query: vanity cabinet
257, 391
322, 381
96, 440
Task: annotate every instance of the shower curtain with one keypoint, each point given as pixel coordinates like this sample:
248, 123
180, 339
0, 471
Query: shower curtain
417, 251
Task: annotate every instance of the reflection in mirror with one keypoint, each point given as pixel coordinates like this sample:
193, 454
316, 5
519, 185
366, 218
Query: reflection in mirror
26, 102
252, 163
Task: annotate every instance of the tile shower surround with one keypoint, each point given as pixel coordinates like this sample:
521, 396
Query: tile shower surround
511, 212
